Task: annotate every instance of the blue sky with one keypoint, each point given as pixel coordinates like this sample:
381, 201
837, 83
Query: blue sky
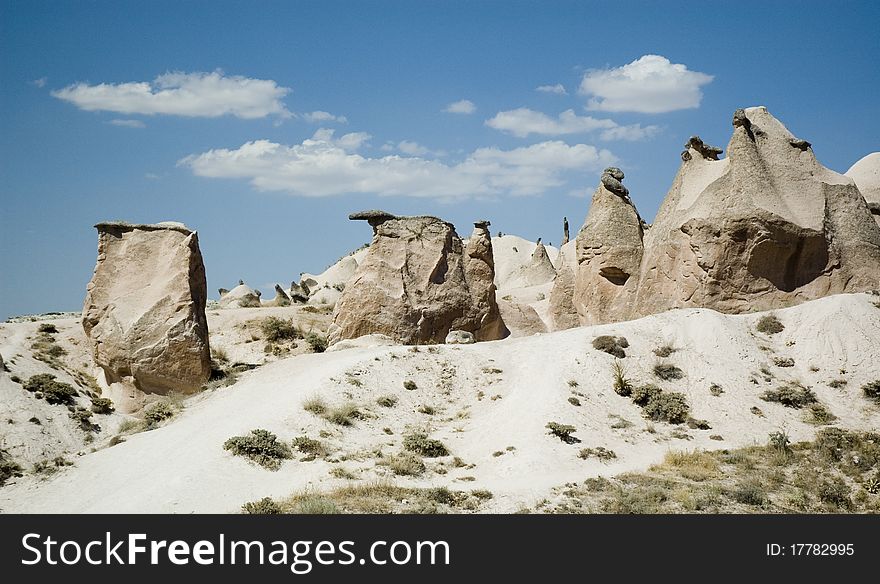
263, 124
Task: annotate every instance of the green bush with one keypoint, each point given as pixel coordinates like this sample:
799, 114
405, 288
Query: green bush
48, 328
158, 413
563, 432
102, 405
410, 385
420, 443
260, 446
791, 395
276, 329
769, 324
872, 390
52, 390
643, 394
599, 452
8, 468
611, 345
783, 361
664, 351
749, 492
667, 371
315, 405
317, 342
669, 407
574, 401
835, 491
344, 414
264, 506
780, 442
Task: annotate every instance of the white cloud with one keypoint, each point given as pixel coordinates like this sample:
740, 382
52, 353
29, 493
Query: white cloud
41, 82
464, 106
650, 84
324, 166
558, 89
128, 123
412, 148
317, 117
523, 121
152, 176
183, 94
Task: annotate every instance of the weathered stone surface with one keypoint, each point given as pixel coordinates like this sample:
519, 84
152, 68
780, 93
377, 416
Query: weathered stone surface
563, 314
521, 319
417, 282
242, 296
866, 174
696, 144
281, 298
460, 338
611, 178
768, 226
144, 311
609, 256
540, 269
298, 293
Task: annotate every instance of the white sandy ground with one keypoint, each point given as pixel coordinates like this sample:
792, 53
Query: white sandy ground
182, 467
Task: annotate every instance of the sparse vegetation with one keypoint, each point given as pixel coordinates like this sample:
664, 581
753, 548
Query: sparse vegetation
769, 324
783, 361
599, 452
260, 446
275, 329
315, 405
664, 351
574, 401
716, 389
611, 345
622, 385
427, 410
343, 414
313, 448
669, 407
45, 385
48, 328
158, 413
563, 432
791, 395
837, 383
387, 401
406, 464
872, 390
643, 394
102, 405
667, 371
818, 414
264, 506
318, 343
421, 444
8, 468
410, 385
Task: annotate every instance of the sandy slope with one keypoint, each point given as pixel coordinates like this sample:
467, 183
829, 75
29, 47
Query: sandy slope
489, 396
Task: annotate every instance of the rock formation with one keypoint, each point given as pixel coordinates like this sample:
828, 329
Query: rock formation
521, 319
299, 293
281, 298
765, 227
460, 338
866, 174
563, 314
564, 231
417, 282
242, 296
144, 311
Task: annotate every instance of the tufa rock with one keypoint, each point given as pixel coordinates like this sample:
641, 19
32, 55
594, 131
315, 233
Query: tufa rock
417, 282
242, 296
609, 255
764, 228
281, 298
611, 178
697, 145
866, 174
563, 314
144, 311
299, 293
521, 319
540, 269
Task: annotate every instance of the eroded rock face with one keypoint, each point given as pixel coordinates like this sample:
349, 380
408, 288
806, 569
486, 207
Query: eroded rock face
540, 269
281, 297
609, 256
765, 227
417, 282
521, 319
866, 174
144, 311
563, 314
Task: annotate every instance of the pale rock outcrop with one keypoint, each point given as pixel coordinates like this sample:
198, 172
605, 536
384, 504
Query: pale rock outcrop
298, 293
281, 298
242, 296
540, 269
460, 338
144, 311
521, 319
563, 315
601, 284
866, 174
417, 282
766, 227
